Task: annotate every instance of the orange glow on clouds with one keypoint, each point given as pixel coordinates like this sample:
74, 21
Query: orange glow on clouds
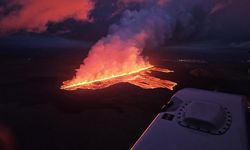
34, 15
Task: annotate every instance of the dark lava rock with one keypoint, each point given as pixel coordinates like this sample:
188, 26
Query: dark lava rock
248, 70
199, 72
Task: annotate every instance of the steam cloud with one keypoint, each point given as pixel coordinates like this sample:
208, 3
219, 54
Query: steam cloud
34, 15
120, 51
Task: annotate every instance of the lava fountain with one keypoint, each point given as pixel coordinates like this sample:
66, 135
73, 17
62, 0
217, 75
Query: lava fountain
117, 57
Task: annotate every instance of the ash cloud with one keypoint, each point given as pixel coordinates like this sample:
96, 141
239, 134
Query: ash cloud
163, 19
201, 20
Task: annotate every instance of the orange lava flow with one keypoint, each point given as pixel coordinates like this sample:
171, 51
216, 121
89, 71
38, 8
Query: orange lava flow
140, 77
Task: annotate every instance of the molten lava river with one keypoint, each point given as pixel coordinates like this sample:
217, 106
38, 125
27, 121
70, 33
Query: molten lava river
140, 77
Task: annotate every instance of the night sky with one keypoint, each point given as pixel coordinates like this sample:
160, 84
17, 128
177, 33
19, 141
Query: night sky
226, 21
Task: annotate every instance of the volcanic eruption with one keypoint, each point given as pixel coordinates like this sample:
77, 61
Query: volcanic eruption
118, 56
112, 61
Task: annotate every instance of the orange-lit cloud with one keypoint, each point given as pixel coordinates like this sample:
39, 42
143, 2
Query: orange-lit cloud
34, 15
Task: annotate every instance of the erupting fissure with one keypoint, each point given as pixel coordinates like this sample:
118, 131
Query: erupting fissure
140, 77
105, 78
117, 57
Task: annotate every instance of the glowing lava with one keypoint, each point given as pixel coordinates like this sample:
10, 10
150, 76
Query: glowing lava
140, 77
118, 57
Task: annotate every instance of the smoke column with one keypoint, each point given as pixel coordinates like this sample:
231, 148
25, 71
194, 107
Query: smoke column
120, 51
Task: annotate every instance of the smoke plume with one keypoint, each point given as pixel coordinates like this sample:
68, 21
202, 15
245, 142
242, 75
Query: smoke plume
34, 15
120, 51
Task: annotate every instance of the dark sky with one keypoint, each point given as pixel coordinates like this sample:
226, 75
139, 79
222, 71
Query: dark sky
227, 21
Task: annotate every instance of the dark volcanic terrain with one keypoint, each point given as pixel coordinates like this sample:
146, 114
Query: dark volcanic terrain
41, 116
